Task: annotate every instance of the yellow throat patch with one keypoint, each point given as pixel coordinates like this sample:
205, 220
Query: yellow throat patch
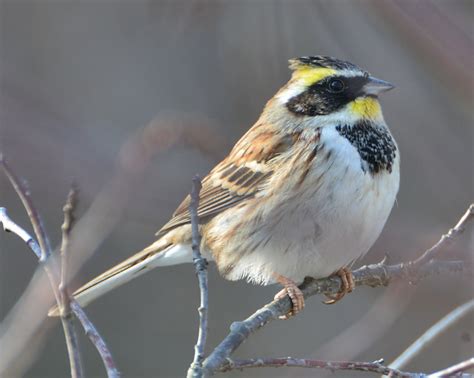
365, 107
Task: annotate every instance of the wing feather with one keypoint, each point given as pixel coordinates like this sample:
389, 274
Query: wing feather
239, 177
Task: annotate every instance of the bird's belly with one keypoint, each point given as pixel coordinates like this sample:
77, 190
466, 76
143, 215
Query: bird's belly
350, 212
325, 226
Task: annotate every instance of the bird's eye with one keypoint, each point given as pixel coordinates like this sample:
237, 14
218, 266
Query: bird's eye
336, 86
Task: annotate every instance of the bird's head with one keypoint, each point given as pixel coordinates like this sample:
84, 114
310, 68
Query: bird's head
331, 90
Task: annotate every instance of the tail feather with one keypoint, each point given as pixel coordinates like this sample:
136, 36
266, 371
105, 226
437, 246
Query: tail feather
153, 256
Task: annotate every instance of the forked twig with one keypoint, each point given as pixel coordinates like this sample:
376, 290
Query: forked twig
53, 274
455, 370
49, 266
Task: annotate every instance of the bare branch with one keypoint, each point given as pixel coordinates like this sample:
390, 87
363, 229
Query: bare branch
454, 370
64, 303
10, 226
52, 273
447, 238
136, 154
372, 275
89, 328
372, 367
200, 264
27, 201
68, 210
433, 332
96, 339
50, 269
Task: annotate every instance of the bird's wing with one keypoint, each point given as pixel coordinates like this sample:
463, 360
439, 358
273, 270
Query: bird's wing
240, 176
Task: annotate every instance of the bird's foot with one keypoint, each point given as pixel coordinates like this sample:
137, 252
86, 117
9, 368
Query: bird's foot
294, 292
347, 286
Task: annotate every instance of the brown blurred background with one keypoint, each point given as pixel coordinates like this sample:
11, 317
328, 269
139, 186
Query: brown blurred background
82, 80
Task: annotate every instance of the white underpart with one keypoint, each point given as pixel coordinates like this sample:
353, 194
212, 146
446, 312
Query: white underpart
177, 254
324, 227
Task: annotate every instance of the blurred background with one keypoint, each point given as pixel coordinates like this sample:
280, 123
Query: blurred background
132, 98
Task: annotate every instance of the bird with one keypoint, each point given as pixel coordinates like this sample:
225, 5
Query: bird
305, 192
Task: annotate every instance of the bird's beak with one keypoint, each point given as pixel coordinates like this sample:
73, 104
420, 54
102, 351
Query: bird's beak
375, 86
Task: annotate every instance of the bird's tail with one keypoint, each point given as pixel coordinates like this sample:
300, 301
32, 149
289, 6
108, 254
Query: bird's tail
157, 254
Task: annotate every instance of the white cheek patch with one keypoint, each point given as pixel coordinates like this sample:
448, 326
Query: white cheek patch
290, 92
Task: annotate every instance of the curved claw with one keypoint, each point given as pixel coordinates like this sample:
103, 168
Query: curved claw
293, 291
347, 286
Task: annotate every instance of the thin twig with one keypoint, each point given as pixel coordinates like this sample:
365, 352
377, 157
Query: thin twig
89, 328
25, 197
454, 370
96, 339
135, 155
372, 275
51, 269
372, 367
433, 332
64, 304
68, 210
10, 226
448, 237
200, 264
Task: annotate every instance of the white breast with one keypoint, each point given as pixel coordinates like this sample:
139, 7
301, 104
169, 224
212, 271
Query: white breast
352, 205
329, 224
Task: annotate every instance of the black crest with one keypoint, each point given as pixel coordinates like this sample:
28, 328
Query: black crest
324, 61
